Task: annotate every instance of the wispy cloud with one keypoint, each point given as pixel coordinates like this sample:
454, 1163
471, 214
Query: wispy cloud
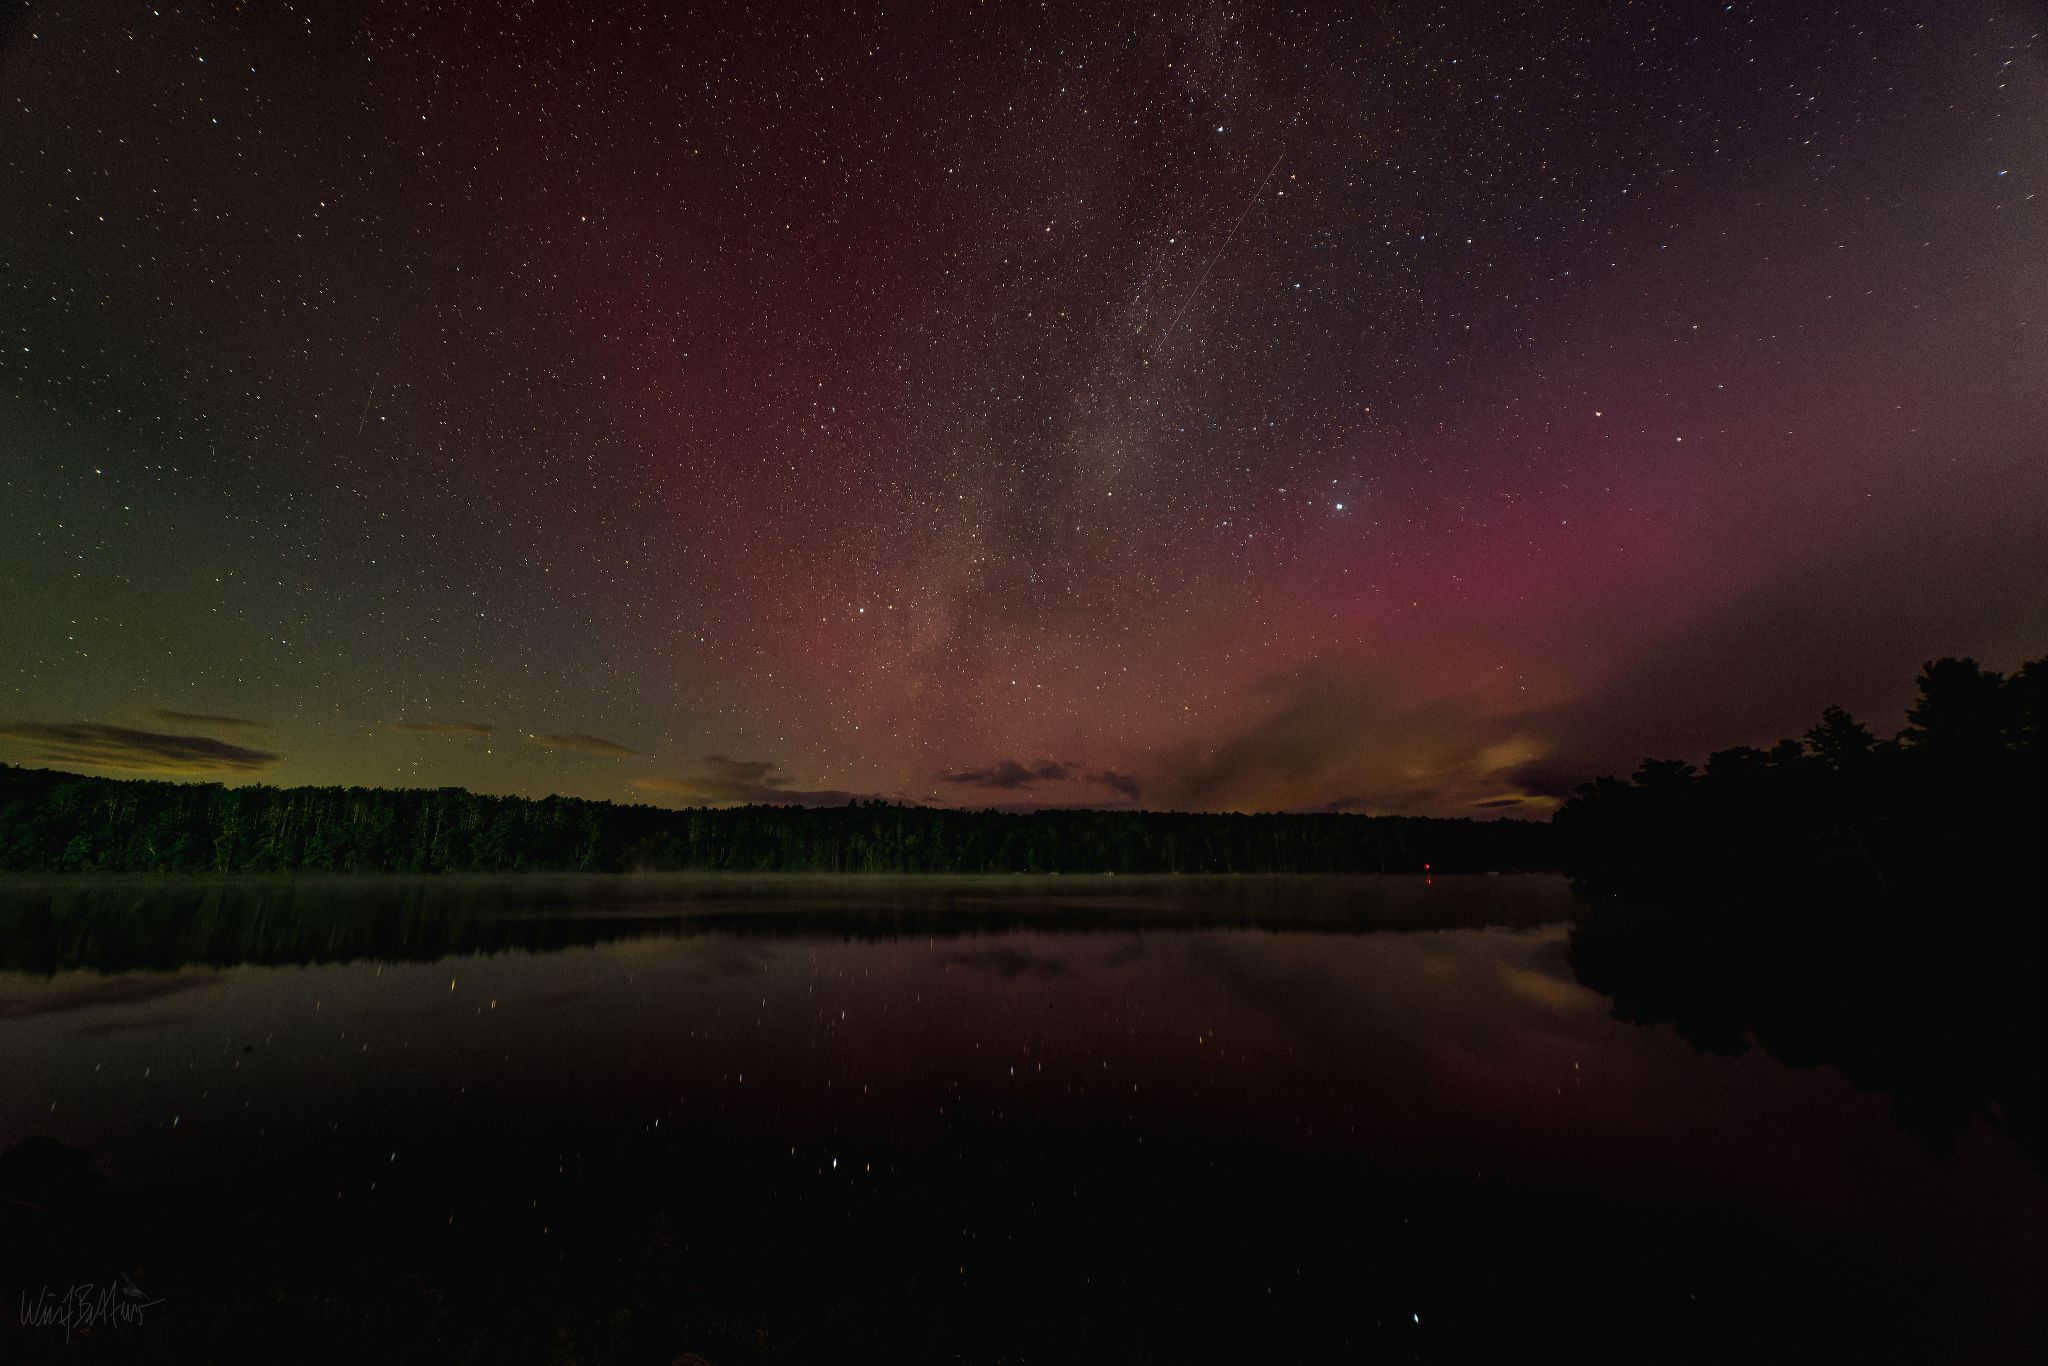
719, 781
1011, 775
201, 718
1322, 729
1122, 783
134, 751
583, 740
1007, 775
441, 727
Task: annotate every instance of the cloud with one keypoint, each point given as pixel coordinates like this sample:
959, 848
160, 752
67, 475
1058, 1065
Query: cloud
1326, 738
1849, 625
200, 718
441, 727
720, 781
1007, 775
1122, 783
583, 740
135, 751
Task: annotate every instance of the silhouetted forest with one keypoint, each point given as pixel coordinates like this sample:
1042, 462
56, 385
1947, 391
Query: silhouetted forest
1958, 796
1867, 905
61, 822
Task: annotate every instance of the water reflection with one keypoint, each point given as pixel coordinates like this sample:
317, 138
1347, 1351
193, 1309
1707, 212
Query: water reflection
1938, 1007
125, 924
991, 1120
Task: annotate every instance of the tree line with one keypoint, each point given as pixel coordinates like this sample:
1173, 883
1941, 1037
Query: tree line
1836, 899
1958, 798
62, 822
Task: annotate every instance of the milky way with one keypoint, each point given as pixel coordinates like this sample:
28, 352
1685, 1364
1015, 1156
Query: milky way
1391, 408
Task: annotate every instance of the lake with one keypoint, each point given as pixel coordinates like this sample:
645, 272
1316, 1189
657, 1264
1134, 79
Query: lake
561, 1119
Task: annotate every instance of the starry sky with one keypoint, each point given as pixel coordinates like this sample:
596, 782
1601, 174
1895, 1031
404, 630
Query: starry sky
1388, 407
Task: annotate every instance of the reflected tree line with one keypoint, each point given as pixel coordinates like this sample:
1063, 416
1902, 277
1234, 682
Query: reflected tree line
1840, 900
117, 926
61, 822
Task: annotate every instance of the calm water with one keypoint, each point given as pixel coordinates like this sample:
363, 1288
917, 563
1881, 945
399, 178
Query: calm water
799, 1119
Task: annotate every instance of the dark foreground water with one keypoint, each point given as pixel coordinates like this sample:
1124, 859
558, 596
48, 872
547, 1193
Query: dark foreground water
793, 1119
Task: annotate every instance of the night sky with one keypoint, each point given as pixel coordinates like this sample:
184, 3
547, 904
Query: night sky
1399, 407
